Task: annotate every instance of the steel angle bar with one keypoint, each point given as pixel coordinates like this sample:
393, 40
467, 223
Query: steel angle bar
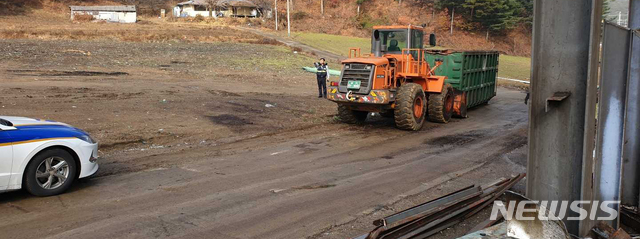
630, 218
611, 113
429, 207
634, 14
485, 224
635, 77
631, 148
362, 236
461, 211
589, 127
449, 223
497, 182
446, 210
431, 225
559, 62
410, 227
499, 192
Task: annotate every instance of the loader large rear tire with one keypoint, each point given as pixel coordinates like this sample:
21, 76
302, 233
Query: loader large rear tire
349, 116
409, 112
441, 105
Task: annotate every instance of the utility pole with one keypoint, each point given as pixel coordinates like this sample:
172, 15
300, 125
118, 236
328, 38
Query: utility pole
288, 18
453, 12
619, 18
275, 4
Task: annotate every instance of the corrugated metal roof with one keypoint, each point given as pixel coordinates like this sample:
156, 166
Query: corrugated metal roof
123, 8
193, 2
236, 3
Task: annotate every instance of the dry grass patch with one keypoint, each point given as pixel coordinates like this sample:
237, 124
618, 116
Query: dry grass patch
82, 18
56, 27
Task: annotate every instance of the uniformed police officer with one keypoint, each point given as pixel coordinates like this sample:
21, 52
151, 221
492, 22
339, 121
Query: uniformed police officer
322, 76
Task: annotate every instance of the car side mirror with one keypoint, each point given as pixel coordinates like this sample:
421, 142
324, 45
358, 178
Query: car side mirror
432, 39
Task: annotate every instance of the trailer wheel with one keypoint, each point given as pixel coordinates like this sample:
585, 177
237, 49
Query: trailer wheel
409, 112
463, 112
349, 116
441, 105
460, 105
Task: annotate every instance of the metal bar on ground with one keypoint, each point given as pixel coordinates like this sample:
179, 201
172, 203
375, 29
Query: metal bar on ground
611, 110
425, 219
485, 224
560, 62
500, 191
444, 218
461, 211
429, 207
630, 218
419, 223
447, 224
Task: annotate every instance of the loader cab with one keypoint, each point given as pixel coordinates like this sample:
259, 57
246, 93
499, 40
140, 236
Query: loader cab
393, 39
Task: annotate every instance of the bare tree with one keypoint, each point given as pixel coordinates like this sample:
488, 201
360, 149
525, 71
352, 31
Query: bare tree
211, 4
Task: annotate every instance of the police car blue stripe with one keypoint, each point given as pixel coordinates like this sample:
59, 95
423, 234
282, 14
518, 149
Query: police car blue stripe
39, 132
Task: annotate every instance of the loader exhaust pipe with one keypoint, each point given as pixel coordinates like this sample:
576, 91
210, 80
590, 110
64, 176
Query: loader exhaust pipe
376, 44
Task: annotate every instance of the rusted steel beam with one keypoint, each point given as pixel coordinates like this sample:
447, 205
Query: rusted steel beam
433, 216
429, 207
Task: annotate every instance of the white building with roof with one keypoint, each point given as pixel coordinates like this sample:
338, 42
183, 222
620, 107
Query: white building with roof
121, 14
219, 8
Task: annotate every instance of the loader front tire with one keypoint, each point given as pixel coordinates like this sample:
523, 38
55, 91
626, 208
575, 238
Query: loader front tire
349, 116
409, 112
441, 105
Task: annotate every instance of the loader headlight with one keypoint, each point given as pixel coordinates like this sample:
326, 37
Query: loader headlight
347, 66
368, 67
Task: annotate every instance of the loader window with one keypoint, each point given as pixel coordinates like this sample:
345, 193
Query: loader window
417, 39
394, 41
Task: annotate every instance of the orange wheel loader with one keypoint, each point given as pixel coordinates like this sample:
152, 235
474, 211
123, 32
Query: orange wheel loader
394, 80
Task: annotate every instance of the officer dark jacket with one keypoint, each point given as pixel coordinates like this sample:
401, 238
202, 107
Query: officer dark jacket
323, 70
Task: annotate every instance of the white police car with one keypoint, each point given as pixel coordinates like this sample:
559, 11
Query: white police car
44, 157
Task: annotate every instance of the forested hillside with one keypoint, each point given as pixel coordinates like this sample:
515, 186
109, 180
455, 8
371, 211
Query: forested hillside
503, 25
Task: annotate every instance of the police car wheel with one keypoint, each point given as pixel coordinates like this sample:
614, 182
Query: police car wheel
50, 172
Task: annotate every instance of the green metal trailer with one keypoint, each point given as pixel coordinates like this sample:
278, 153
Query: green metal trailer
471, 73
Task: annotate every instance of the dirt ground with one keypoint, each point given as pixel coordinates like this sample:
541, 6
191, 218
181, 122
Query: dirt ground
228, 140
155, 95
